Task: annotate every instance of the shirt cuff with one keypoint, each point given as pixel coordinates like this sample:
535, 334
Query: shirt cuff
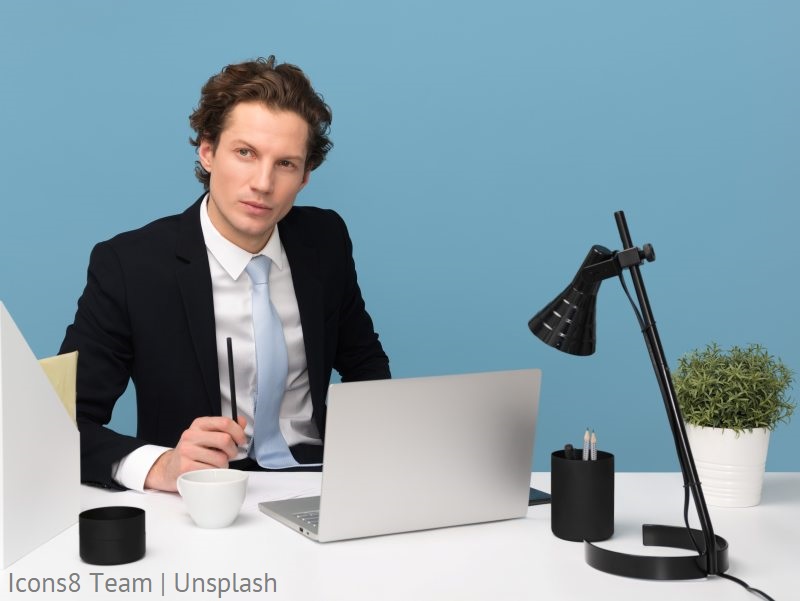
131, 471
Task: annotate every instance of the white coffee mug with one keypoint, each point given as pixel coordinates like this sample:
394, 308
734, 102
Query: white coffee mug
213, 497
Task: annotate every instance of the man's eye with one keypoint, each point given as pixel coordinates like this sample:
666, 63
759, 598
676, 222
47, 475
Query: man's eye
285, 163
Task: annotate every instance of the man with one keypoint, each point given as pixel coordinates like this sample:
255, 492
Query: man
161, 301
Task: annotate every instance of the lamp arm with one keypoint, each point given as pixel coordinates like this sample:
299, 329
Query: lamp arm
657, 357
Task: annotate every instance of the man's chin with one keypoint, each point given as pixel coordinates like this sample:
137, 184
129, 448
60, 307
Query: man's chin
255, 238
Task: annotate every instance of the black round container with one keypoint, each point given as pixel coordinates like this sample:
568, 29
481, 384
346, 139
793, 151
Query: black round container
582, 497
111, 535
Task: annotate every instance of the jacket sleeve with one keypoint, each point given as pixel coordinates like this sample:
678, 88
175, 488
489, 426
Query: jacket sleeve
359, 353
101, 335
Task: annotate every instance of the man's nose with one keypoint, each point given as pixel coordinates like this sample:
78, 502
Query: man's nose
263, 179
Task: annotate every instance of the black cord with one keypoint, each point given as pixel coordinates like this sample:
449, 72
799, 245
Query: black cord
633, 304
686, 518
747, 587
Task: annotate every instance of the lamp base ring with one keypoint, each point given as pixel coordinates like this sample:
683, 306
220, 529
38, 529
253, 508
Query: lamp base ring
649, 567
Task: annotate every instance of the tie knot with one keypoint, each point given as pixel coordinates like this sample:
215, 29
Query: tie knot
258, 269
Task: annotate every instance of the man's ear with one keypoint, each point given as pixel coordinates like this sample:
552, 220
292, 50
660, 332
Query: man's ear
205, 153
306, 177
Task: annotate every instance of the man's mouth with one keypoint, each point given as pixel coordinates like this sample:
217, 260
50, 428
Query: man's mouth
256, 207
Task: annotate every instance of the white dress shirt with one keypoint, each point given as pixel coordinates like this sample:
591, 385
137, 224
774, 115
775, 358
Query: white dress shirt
232, 293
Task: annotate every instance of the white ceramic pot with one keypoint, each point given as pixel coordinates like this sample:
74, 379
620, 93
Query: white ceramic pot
730, 464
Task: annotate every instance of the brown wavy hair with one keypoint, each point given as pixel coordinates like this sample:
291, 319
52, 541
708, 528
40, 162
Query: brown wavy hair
281, 87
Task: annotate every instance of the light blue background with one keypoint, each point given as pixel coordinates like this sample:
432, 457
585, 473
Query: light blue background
480, 149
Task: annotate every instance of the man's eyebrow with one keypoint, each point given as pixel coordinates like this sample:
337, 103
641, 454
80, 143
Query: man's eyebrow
243, 142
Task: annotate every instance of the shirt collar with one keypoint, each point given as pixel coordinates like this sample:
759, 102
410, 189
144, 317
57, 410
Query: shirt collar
232, 258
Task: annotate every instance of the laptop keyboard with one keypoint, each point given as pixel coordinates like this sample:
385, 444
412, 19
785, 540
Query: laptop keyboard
309, 517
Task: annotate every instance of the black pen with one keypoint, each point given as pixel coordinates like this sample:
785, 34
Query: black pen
234, 411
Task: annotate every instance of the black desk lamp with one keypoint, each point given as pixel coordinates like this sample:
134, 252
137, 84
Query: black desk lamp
568, 324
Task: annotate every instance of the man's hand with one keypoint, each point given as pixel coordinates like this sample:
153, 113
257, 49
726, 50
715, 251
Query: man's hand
209, 442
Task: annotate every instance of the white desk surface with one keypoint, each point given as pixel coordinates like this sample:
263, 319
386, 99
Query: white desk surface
515, 559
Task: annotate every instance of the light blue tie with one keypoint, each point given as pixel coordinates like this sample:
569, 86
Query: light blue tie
269, 448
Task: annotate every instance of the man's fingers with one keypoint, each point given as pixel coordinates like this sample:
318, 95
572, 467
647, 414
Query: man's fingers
195, 444
222, 424
195, 457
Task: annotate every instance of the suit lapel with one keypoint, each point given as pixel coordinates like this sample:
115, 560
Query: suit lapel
194, 281
308, 289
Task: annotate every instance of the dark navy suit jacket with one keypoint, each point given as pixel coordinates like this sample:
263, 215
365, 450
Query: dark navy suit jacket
147, 315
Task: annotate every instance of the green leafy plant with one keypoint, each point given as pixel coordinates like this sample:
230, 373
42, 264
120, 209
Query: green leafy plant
740, 388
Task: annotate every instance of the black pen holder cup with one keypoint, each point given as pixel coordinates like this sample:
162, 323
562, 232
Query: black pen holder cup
582, 506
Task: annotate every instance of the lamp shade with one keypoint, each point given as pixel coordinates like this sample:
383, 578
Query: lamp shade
568, 321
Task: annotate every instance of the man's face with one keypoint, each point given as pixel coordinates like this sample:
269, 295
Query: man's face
256, 172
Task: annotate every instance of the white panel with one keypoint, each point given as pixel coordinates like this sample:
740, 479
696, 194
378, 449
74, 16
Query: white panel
39, 451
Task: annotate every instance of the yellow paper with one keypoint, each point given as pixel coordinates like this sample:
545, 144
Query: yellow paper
62, 370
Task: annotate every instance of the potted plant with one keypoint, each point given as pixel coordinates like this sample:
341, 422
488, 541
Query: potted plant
731, 400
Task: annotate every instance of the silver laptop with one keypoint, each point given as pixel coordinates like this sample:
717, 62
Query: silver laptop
420, 453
